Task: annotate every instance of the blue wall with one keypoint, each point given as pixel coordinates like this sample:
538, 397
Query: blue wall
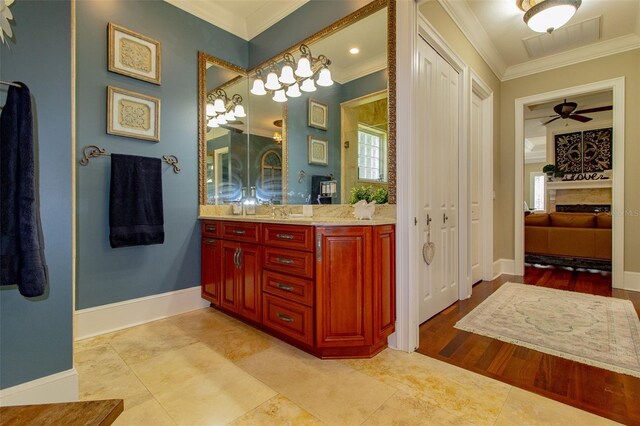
298, 131
307, 20
36, 334
107, 275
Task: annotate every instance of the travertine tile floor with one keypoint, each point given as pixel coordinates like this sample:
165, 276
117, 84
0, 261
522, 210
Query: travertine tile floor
204, 368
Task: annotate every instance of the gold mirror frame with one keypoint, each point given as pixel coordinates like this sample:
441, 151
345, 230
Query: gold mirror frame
359, 14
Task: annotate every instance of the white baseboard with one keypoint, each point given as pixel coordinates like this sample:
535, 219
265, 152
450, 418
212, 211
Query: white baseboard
59, 387
631, 281
117, 316
503, 266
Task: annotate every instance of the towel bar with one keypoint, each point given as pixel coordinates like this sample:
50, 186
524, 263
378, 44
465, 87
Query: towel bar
93, 151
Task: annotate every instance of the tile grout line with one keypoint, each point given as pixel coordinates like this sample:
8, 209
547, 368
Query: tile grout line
143, 384
381, 405
503, 405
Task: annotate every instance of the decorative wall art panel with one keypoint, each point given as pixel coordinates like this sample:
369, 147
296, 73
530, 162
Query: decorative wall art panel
596, 145
584, 152
133, 114
318, 151
569, 152
318, 114
133, 54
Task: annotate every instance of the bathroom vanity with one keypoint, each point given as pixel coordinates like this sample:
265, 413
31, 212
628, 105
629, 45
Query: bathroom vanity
325, 286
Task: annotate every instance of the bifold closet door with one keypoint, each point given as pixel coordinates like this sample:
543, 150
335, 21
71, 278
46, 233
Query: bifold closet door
437, 179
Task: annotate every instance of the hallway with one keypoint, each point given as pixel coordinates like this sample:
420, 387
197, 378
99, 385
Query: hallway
599, 391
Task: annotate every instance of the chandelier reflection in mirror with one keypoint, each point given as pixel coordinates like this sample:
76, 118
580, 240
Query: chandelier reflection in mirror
290, 83
221, 109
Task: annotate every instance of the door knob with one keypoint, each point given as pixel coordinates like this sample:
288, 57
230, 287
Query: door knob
444, 217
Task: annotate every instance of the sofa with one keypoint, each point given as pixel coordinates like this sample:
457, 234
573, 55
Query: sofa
568, 239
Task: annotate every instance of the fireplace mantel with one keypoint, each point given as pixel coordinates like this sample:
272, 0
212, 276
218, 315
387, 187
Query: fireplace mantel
580, 184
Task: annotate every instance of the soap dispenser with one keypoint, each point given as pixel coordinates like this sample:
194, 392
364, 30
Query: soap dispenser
250, 202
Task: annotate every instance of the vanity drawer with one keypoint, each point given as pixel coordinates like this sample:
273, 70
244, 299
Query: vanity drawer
288, 287
291, 319
247, 232
210, 228
288, 236
289, 261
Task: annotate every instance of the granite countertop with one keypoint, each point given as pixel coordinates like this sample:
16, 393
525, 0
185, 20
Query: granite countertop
303, 220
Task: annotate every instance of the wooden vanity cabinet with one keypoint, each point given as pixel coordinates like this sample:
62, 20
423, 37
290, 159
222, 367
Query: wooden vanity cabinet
329, 290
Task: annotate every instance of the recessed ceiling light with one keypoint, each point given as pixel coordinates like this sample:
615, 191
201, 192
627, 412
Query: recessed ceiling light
354, 50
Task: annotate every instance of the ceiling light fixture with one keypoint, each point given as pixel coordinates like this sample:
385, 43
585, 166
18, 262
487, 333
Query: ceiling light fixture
295, 76
221, 109
547, 15
354, 50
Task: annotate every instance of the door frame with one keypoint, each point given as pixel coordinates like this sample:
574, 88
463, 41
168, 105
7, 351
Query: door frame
484, 92
617, 86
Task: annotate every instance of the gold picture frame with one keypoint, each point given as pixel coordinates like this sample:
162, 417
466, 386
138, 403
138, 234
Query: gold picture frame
133, 114
318, 115
133, 54
318, 151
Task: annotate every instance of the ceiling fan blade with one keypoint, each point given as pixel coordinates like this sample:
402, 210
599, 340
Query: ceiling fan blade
598, 109
552, 120
580, 118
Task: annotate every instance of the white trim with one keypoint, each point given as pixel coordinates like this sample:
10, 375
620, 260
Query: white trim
632, 281
486, 158
439, 44
58, 387
503, 266
244, 27
461, 13
116, 316
574, 56
617, 85
406, 336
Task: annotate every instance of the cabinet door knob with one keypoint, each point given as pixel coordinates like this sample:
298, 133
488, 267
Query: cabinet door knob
284, 260
285, 318
285, 236
284, 287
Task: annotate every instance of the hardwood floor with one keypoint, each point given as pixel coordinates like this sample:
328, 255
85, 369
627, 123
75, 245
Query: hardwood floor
603, 392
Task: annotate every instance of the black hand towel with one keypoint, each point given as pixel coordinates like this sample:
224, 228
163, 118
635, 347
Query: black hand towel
135, 203
21, 246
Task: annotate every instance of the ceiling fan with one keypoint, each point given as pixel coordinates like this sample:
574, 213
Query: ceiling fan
568, 110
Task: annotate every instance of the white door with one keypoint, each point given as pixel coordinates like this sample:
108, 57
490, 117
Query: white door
437, 179
476, 187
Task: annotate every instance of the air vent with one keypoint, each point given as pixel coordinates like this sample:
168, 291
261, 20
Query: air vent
565, 38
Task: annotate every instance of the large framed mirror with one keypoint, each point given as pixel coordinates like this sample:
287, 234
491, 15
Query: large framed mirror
343, 133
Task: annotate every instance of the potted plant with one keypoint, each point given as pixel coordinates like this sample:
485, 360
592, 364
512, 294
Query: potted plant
550, 170
365, 198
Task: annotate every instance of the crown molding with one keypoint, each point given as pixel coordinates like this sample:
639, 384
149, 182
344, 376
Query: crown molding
573, 56
245, 28
261, 20
473, 30
345, 75
219, 17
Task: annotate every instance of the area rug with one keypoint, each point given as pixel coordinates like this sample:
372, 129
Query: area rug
594, 330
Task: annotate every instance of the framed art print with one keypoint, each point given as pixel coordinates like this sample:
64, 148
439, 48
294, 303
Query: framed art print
133, 54
133, 114
318, 114
318, 151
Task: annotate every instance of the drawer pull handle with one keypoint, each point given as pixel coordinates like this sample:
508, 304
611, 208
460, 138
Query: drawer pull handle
210, 228
284, 260
284, 287
285, 236
210, 241
285, 318
239, 231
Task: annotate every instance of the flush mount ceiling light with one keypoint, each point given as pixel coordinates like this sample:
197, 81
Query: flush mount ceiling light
354, 50
544, 16
294, 76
